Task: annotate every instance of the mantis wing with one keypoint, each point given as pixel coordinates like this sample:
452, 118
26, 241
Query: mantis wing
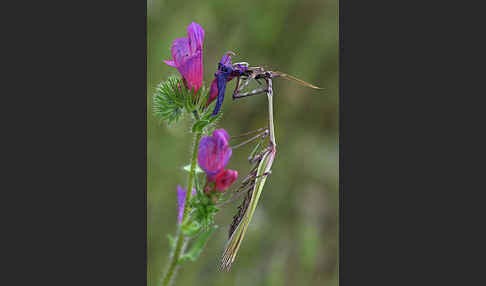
246, 213
299, 81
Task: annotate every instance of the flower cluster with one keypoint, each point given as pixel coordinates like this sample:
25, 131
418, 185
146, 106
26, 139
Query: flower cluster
213, 156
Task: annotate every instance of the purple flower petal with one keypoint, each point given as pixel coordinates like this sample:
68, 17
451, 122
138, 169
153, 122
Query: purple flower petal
221, 136
181, 201
213, 91
195, 34
191, 70
170, 63
180, 50
214, 153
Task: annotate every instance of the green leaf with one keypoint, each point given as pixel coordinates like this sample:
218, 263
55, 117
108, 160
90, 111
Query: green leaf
172, 241
199, 126
199, 191
189, 105
188, 169
196, 98
202, 99
216, 117
198, 246
191, 229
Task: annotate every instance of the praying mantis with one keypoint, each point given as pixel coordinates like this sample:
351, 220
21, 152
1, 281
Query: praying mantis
253, 184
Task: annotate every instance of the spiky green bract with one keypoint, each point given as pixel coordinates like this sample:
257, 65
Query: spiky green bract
169, 100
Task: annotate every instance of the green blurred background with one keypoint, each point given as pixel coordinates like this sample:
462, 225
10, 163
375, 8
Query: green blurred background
293, 236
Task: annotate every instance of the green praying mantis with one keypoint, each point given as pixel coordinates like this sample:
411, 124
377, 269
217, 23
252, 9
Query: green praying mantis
253, 184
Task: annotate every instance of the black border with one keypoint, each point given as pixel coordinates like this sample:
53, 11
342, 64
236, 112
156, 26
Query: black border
84, 127
385, 112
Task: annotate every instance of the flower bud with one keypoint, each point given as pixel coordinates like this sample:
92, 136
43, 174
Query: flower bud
225, 179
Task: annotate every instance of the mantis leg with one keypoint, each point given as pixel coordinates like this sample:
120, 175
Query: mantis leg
250, 132
250, 93
257, 74
238, 88
258, 157
262, 135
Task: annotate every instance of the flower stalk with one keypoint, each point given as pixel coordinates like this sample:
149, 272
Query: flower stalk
180, 239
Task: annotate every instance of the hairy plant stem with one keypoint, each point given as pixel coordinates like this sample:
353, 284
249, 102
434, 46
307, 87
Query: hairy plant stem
180, 240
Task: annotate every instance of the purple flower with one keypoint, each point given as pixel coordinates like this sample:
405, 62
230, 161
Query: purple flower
213, 91
214, 153
181, 201
187, 56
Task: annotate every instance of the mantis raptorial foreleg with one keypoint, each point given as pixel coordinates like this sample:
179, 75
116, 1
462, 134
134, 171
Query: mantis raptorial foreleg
250, 93
255, 71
